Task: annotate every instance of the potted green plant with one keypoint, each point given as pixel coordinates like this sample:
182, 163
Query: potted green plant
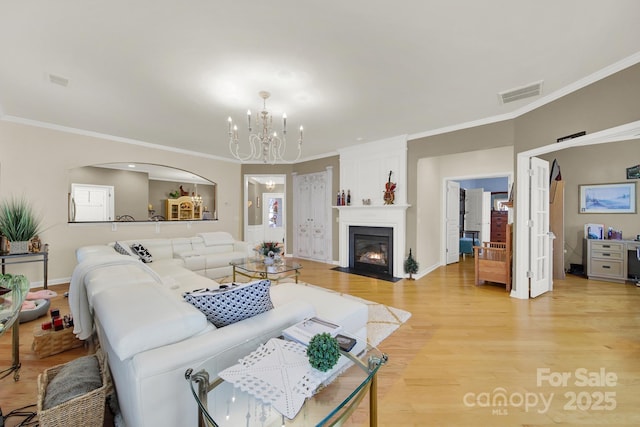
323, 351
18, 224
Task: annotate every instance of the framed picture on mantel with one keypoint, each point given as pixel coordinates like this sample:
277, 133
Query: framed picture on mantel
608, 198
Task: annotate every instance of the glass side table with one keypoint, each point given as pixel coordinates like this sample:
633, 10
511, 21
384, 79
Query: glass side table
221, 404
10, 305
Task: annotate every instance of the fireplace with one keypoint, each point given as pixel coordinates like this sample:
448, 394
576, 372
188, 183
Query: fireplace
371, 250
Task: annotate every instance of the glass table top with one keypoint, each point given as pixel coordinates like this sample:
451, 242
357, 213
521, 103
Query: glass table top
223, 404
13, 291
256, 265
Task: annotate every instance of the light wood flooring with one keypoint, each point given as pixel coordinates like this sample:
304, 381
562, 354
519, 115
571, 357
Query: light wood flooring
467, 348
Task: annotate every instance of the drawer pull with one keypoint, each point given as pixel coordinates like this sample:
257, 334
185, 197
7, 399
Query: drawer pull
606, 254
606, 246
606, 266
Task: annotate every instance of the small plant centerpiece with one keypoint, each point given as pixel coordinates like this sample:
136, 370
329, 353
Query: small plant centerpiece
323, 352
269, 251
410, 265
18, 224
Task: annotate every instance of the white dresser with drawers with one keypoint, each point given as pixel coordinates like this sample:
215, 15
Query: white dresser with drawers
611, 260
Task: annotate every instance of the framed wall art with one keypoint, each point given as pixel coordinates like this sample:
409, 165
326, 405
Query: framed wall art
608, 198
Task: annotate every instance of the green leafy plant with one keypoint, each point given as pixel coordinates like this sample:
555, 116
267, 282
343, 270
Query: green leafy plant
323, 351
410, 265
18, 222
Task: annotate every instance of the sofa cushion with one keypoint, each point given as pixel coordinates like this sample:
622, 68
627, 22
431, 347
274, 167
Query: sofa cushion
217, 238
143, 317
142, 252
181, 244
224, 306
94, 251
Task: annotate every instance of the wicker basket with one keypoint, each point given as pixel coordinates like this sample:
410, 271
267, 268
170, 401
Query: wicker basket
49, 342
82, 411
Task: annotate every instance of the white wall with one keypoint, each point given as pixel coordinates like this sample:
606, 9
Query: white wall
35, 161
432, 173
364, 170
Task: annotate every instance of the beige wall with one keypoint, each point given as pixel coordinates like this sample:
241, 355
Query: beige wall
485, 137
36, 162
596, 164
610, 102
433, 172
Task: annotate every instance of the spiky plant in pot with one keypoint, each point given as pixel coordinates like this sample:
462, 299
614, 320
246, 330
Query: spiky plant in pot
18, 221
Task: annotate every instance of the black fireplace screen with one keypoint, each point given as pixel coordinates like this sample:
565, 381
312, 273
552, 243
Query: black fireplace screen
371, 249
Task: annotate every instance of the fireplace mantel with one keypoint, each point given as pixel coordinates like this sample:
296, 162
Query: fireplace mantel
393, 216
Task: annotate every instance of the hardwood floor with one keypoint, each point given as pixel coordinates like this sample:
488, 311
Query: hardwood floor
466, 347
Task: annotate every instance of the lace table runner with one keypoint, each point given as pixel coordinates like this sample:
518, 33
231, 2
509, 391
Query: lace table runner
278, 373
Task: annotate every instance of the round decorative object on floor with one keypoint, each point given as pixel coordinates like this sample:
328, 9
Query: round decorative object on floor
41, 308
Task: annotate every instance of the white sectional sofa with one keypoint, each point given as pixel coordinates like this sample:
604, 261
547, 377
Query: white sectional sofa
152, 336
207, 254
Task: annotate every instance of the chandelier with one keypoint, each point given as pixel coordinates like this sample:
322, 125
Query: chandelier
270, 184
265, 144
196, 198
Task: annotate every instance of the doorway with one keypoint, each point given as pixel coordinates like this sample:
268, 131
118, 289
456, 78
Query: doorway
474, 213
264, 209
91, 203
524, 250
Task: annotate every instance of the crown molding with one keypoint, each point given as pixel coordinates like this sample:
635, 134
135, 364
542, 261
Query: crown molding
92, 134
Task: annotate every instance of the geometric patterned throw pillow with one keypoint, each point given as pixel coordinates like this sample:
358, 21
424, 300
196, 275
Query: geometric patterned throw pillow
123, 249
223, 307
142, 252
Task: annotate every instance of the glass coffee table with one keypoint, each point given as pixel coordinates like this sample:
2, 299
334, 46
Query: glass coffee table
255, 268
220, 403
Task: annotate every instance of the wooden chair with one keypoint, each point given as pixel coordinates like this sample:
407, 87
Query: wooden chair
493, 261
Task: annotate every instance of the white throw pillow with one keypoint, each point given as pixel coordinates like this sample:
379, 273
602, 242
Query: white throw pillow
229, 305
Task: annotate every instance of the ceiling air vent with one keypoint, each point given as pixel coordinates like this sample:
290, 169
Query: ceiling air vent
58, 80
533, 89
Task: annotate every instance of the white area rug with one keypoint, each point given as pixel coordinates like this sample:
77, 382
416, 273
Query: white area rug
383, 320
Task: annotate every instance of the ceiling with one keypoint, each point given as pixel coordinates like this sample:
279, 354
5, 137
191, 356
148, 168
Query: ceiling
170, 73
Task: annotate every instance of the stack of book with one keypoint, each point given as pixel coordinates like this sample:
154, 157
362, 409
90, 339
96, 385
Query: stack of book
302, 332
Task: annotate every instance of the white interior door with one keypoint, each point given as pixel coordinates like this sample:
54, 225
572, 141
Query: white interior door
91, 202
453, 222
473, 209
540, 257
312, 216
485, 222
